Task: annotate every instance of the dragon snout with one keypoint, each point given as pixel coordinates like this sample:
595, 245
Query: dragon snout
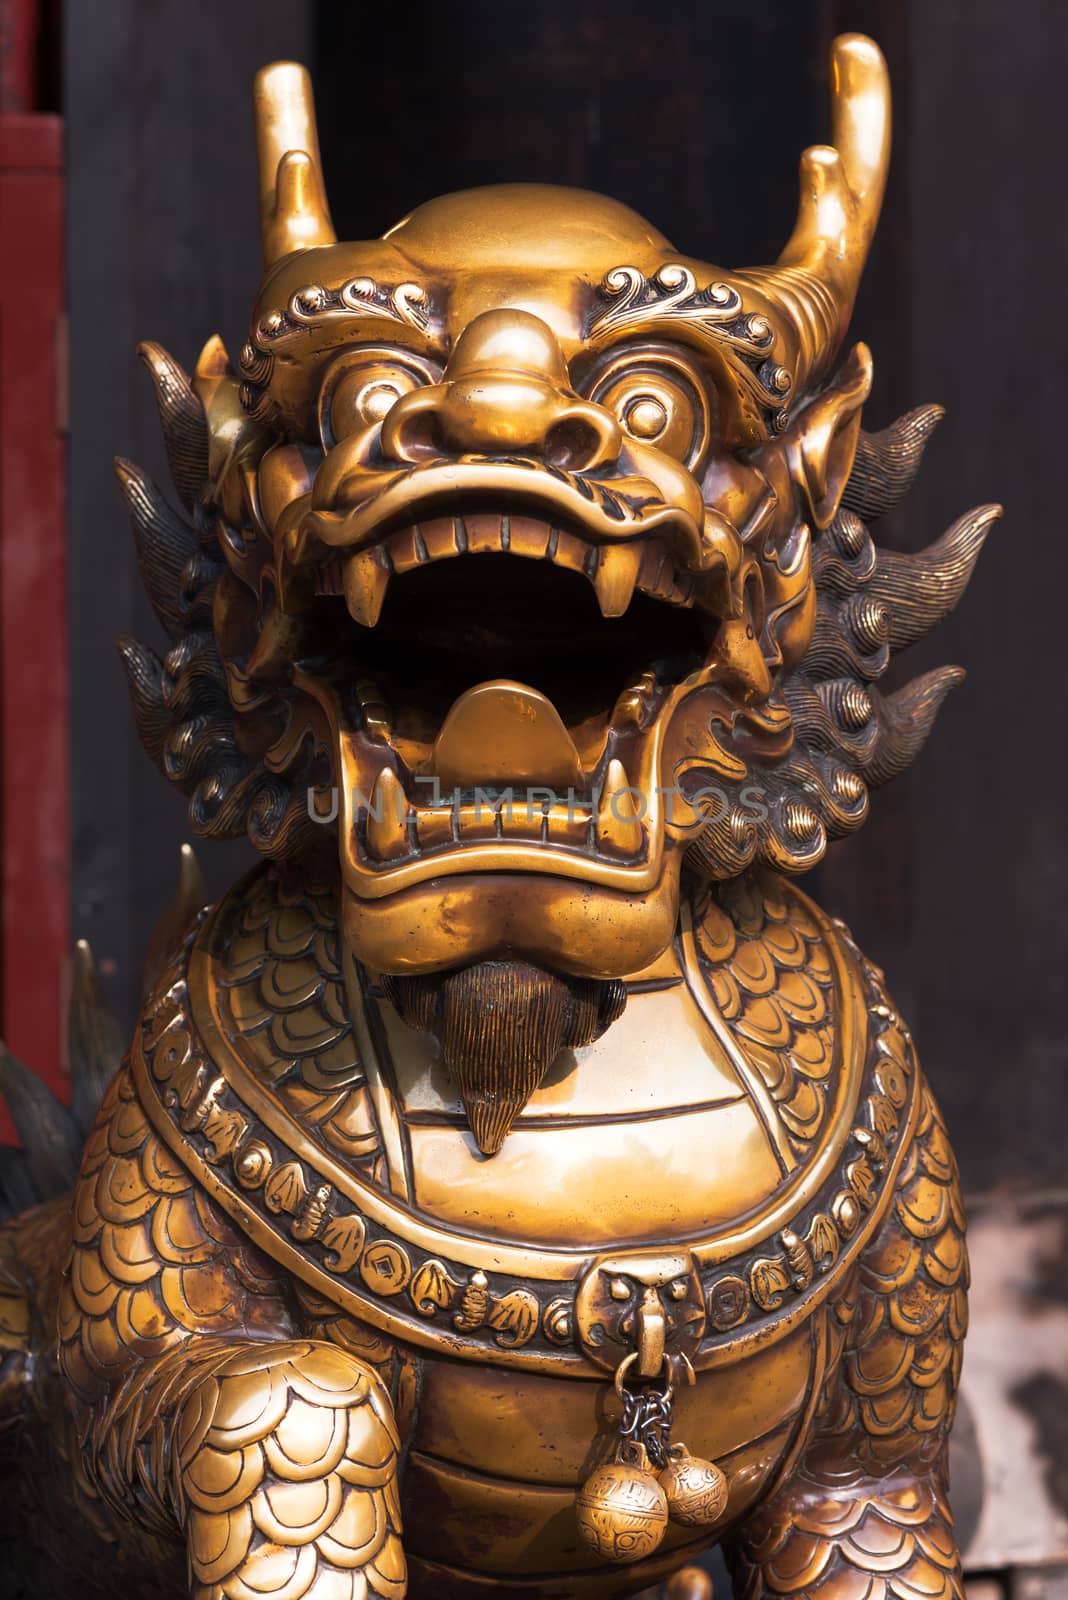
505, 389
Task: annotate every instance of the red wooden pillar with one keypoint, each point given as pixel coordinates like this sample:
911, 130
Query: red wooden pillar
34, 809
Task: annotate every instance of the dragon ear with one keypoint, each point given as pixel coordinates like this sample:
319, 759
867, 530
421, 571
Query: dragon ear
821, 445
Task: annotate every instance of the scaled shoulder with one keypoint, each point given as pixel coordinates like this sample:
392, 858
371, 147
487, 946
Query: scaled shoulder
831, 1063
267, 996
793, 994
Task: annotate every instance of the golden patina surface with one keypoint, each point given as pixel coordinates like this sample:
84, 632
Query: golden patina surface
515, 1183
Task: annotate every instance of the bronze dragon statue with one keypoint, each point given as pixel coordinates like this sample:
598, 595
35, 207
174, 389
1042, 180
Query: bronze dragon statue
515, 1184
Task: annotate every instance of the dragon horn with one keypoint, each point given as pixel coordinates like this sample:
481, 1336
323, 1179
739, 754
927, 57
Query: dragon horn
294, 214
815, 280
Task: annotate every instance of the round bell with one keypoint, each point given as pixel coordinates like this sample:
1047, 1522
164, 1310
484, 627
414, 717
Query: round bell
695, 1489
622, 1511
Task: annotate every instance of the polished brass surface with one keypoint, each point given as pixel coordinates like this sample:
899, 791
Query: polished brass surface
515, 1182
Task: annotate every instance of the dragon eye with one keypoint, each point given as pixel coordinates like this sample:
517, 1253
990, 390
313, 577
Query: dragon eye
657, 402
361, 389
646, 417
364, 396
365, 402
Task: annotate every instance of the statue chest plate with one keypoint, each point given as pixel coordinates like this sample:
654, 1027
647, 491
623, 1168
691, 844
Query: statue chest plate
724, 1149
650, 1134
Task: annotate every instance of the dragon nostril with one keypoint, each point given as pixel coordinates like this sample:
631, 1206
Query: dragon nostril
413, 434
573, 443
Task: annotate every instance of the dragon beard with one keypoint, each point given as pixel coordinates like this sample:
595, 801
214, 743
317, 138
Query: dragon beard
500, 1025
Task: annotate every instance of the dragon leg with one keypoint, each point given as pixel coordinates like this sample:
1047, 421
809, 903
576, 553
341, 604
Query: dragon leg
865, 1515
288, 1461
202, 1415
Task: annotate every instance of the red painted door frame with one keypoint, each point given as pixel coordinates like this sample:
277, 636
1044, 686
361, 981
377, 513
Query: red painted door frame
34, 762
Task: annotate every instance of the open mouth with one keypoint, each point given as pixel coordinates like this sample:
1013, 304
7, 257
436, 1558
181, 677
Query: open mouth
503, 711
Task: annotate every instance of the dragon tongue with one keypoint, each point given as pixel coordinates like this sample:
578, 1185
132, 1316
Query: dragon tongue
501, 733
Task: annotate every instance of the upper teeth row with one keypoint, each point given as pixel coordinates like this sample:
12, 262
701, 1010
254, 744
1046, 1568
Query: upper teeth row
615, 570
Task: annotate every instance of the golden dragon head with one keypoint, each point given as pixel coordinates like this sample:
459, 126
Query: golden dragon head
528, 564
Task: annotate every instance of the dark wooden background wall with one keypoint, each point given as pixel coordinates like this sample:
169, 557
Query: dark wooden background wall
695, 114
162, 244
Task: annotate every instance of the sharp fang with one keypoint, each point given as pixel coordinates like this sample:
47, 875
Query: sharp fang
618, 827
276, 646
387, 832
633, 703
712, 590
376, 716
616, 575
365, 582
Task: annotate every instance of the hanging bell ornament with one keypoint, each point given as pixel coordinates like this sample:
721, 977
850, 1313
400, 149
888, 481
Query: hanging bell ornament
622, 1511
695, 1489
